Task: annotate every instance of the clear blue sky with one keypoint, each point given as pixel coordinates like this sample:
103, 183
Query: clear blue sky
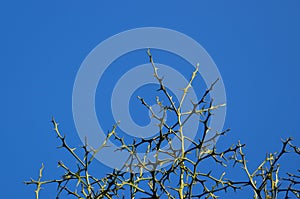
255, 45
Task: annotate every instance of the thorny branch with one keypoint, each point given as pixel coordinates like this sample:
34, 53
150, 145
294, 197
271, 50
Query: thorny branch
156, 175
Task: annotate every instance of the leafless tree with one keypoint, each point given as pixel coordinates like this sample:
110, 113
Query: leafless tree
174, 172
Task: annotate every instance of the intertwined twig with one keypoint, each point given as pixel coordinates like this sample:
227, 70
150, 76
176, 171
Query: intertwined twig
172, 172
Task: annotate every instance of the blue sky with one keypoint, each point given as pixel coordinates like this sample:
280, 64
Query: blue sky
254, 44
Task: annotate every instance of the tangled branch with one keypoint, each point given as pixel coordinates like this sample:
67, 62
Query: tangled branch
173, 171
